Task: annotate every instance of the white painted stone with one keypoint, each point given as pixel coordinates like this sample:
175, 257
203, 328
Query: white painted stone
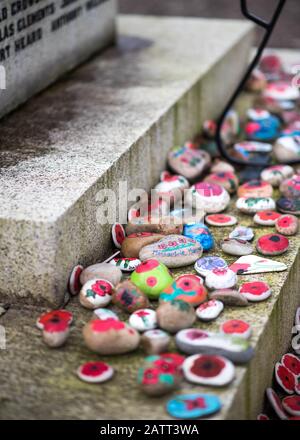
209, 310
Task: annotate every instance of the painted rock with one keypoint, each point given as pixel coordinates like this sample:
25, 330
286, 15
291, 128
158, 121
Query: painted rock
200, 233
54, 316
281, 90
133, 244
291, 404
193, 406
175, 315
118, 234
210, 197
292, 363
164, 225
209, 310
227, 180
104, 314
152, 277
276, 404
171, 186
251, 264
229, 297
272, 244
253, 147
287, 224
255, 291
255, 188
143, 319
276, 174
173, 251
207, 369
264, 130
155, 341
237, 247
271, 64
257, 114
188, 162
266, 218
262, 416
55, 332
95, 372
290, 188
74, 280
188, 288
236, 327
129, 297
96, 293
220, 279
145, 209
251, 205
220, 220
242, 233
287, 148
219, 166
257, 81
288, 206
209, 128
103, 271
195, 341
108, 337
205, 265
187, 215
285, 378
126, 264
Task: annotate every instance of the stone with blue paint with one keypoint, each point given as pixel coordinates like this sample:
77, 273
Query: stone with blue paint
263, 130
193, 406
201, 233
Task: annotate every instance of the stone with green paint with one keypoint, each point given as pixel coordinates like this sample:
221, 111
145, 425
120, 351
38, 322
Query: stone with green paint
151, 277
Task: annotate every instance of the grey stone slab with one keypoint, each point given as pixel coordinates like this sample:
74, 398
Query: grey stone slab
111, 120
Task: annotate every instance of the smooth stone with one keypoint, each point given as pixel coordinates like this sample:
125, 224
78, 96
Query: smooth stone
118, 234
152, 277
96, 293
133, 244
257, 114
171, 186
108, 337
188, 162
221, 220
55, 332
143, 320
242, 233
251, 205
229, 297
208, 370
220, 279
104, 314
155, 341
95, 372
201, 233
220, 166
140, 212
126, 264
193, 406
257, 81
266, 218
187, 215
175, 315
292, 363
272, 244
236, 247
276, 404
264, 130
209, 310
281, 91
290, 188
236, 327
164, 225
288, 206
285, 378
128, 297
101, 270
276, 174
210, 197
194, 341
287, 225
255, 188
205, 265
173, 251
291, 404
287, 148
271, 64
188, 288
227, 180
251, 264
54, 316
253, 147
255, 291
74, 280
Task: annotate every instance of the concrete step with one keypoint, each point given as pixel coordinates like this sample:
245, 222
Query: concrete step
111, 120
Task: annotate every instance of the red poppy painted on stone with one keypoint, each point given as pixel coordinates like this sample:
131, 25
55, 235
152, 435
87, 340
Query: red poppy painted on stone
118, 235
276, 404
236, 327
220, 220
268, 215
74, 280
54, 315
272, 244
292, 363
147, 266
95, 372
285, 378
262, 417
292, 405
100, 325
255, 290
208, 189
206, 369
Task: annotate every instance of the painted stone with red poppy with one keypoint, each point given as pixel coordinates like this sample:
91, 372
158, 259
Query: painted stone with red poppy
164, 225
291, 404
118, 234
276, 404
188, 162
220, 220
96, 293
255, 291
95, 372
175, 315
285, 378
155, 341
276, 174
56, 332
74, 280
264, 130
146, 208
287, 224
54, 316
251, 205
193, 406
209, 310
287, 148
171, 187
262, 416
271, 64
125, 264
272, 244
292, 363
188, 288
104, 271
210, 197
227, 180
255, 188
229, 297
129, 297
266, 218
152, 277
221, 279
143, 320
281, 91
108, 337
236, 327
207, 369
290, 188
133, 243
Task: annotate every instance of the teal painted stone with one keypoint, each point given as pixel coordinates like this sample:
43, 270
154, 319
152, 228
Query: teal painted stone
201, 233
193, 406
